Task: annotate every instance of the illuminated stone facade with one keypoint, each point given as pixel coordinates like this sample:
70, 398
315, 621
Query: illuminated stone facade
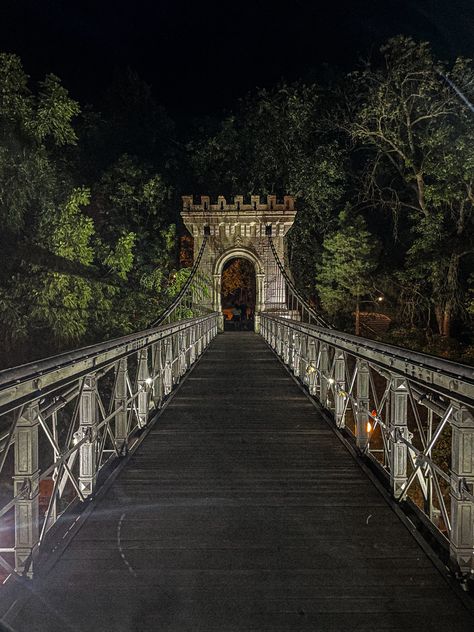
241, 229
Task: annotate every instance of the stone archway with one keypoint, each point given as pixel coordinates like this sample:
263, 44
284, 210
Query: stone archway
239, 253
241, 229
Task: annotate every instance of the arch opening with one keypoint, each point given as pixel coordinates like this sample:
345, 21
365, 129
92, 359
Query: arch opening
238, 294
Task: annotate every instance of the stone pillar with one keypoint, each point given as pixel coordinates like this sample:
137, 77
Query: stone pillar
216, 299
120, 401
462, 477
362, 400
26, 479
398, 430
260, 303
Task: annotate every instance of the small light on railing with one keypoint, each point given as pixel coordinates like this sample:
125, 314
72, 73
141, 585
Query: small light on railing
310, 368
148, 381
369, 426
331, 380
379, 299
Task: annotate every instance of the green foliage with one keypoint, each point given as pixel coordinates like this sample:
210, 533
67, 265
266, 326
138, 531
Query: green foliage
345, 274
87, 200
279, 142
104, 254
54, 113
418, 141
60, 302
29, 125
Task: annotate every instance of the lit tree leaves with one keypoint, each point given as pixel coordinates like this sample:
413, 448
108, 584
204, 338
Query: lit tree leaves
346, 272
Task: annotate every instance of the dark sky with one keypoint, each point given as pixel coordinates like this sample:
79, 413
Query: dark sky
201, 56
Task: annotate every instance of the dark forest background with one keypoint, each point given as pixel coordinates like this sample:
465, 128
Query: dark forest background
380, 160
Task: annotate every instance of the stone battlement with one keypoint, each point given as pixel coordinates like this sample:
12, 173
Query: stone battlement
255, 204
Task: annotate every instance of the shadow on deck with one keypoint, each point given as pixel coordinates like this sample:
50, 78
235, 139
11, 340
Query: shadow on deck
242, 511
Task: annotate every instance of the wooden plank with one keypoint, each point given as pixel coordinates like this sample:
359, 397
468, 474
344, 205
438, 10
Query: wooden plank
243, 512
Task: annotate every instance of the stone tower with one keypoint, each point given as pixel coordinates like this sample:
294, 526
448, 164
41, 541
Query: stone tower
241, 230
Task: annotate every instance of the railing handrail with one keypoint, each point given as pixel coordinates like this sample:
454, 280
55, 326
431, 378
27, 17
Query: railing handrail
400, 359
17, 384
34, 372
410, 413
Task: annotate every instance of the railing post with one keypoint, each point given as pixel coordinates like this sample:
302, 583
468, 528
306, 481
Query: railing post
168, 377
303, 355
181, 354
286, 344
295, 359
120, 402
192, 345
362, 414
279, 343
265, 329
462, 479
157, 387
398, 431
88, 429
142, 382
26, 480
340, 388
311, 369
323, 374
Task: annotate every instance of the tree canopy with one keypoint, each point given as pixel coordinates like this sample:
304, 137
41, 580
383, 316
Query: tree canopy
380, 161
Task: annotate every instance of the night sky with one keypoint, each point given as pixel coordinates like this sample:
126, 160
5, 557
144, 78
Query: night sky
202, 56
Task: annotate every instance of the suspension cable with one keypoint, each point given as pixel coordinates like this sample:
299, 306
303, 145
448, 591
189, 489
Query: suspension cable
179, 298
303, 304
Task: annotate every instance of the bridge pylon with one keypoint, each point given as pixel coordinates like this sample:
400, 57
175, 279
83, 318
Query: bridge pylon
241, 230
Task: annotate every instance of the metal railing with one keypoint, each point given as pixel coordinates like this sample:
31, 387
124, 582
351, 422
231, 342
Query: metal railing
62, 419
66, 417
410, 413
298, 307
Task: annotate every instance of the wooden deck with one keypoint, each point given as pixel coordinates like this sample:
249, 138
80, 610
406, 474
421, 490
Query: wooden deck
242, 511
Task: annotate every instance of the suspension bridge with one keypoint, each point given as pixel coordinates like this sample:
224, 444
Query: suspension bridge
185, 478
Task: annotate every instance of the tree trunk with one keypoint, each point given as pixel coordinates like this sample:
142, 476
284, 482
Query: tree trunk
439, 318
444, 311
357, 318
446, 329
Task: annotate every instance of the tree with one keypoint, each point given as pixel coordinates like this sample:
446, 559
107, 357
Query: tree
239, 277
418, 140
345, 274
278, 141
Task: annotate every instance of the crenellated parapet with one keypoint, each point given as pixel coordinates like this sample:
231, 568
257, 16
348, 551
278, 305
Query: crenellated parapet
247, 218
241, 228
254, 204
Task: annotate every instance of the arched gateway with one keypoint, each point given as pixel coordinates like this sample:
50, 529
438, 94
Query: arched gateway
241, 230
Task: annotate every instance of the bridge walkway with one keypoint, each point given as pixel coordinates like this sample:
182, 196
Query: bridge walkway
242, 511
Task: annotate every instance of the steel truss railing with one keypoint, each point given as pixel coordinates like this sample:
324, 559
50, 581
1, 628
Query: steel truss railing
411, 413
64, 418
291, 299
